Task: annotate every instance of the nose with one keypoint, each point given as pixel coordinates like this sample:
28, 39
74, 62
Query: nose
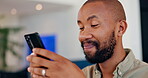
85, 35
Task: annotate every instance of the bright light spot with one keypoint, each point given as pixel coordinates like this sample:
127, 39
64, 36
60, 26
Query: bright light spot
13, 11
39, 7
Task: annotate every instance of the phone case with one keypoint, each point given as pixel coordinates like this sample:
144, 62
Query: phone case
34, 41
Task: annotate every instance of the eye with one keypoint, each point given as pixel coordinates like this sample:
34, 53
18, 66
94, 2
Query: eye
94, 25
82, 28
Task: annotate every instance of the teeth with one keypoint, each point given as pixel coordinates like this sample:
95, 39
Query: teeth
88, 46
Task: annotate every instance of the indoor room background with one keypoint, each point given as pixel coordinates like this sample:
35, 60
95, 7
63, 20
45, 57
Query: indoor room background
56, 22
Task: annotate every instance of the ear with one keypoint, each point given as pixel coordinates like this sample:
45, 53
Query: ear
122, 27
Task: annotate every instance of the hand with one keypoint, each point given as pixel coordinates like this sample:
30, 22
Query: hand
60, 67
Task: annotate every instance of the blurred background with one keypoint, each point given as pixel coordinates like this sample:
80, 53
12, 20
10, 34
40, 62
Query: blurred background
56, 21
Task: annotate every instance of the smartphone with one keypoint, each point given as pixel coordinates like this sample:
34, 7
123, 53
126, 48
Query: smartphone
34, 41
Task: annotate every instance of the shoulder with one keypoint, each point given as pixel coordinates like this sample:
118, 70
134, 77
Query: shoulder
140, 65
139, 70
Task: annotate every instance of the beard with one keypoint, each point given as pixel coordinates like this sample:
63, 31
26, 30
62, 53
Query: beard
101, 54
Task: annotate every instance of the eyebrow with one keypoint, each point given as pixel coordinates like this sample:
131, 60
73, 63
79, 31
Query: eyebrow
91, 17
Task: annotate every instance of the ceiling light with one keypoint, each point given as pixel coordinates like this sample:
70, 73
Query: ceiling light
39, 7
13, 11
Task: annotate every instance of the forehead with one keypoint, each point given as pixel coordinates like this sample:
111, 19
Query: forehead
95, 8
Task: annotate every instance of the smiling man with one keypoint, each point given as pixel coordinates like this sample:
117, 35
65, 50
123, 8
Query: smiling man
102, 24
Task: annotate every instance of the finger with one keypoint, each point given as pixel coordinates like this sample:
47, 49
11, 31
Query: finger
41, 61
32, 54
34, 65
37, 71
48, 54
37, 76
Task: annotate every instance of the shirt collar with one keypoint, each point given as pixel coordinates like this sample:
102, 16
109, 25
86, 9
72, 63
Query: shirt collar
126, 63
123, 66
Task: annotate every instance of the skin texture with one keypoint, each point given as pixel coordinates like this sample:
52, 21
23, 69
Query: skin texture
105, 25
59, 68
114, 6
95, 24
101, 54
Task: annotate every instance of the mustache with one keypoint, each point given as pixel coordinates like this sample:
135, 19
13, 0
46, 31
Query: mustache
95, 43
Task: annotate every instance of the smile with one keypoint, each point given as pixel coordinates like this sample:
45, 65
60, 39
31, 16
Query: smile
88, 47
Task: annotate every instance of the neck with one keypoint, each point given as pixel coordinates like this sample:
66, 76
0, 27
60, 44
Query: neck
109, 66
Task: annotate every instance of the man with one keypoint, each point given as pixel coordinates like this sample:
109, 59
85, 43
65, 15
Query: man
102, 24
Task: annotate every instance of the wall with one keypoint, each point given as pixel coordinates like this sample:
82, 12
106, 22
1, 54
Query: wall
58, 23
63, 24
8, 21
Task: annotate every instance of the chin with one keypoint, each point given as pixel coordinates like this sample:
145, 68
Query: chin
90, 54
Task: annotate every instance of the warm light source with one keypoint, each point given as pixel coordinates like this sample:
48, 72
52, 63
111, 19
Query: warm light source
39, 7
13, 11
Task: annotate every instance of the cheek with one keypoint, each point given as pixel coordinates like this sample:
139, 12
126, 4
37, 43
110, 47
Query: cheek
99, 35
102, 37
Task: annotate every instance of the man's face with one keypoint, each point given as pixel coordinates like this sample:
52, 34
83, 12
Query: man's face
97, 34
